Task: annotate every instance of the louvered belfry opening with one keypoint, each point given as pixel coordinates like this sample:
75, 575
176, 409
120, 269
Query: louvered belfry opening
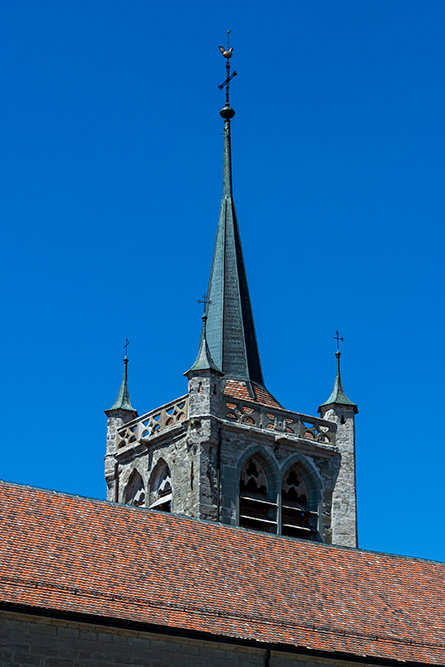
297, 519
292, 511
257, 510
135, 491
161, 488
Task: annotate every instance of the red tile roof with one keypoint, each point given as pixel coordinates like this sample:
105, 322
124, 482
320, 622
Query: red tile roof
258, 394
74, 554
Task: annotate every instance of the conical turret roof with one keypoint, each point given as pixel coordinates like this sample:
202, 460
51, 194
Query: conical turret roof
204, 361
338, 396
123, 399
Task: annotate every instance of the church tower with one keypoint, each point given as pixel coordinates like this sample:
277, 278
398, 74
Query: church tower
227, 450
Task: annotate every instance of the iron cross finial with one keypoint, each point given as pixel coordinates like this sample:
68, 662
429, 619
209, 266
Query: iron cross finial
205, 300
338, 338
227, 53
127, 343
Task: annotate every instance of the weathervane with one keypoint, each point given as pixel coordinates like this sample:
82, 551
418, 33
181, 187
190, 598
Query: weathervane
127, 343
227, 53
338, 338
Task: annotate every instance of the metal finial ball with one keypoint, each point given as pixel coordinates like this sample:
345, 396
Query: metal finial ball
227, 113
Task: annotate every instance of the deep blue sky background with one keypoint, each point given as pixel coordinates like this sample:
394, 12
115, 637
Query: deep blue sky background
110, 184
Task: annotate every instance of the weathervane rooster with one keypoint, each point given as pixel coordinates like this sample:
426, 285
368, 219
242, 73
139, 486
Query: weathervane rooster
227, 53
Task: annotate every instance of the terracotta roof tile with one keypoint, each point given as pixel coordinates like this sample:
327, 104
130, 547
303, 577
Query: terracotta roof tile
257, 393
74, 554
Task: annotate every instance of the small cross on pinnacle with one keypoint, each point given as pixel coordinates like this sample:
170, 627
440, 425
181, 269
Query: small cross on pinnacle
127, 343
205, 300
338, 338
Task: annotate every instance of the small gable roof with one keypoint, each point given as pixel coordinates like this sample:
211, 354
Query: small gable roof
77, 555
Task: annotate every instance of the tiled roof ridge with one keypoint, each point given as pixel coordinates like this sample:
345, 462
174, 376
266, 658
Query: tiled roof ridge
206, 611
181, 517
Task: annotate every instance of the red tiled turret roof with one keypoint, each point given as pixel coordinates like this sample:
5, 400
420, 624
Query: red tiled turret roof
72, 554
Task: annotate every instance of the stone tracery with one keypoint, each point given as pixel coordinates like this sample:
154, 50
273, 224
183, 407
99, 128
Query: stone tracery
298, 519
292, 512
256, 509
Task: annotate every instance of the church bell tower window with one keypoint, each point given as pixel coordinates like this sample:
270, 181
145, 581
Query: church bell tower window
161, 488
135, 490
290, 510
256, 509
297, 519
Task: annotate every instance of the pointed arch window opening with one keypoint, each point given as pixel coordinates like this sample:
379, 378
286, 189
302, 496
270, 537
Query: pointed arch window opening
292, 513
161, 491
256, 508
297, 517
134, 493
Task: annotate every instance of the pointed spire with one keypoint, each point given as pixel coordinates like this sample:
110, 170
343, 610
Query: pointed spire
338, 396
204, 361
123, 399
231, 333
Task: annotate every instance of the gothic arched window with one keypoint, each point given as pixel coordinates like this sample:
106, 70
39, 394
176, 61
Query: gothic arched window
161, 487
135, 490
256, 509
298, 519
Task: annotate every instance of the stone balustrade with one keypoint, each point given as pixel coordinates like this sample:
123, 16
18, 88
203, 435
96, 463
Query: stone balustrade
233, 410
154, 422
282, 421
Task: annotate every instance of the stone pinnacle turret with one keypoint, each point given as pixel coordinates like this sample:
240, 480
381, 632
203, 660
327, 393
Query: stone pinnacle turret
338, 396
123, 399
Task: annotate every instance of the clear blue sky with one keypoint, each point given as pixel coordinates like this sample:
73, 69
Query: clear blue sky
110, 186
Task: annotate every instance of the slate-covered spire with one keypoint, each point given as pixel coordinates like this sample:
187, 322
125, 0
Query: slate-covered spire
231, 334
338, 396
123, 399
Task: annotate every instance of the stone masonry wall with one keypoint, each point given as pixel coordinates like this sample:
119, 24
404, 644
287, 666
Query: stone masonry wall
33, 641
205, 455
344, 501
116, 419
183, 459
205, 461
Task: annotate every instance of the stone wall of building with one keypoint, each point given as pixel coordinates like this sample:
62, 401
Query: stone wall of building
206, 451
115, 419
344, 499
182, 457
35, 641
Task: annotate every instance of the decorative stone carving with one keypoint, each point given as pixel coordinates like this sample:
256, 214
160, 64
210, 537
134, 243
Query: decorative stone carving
292, 423
153, 423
